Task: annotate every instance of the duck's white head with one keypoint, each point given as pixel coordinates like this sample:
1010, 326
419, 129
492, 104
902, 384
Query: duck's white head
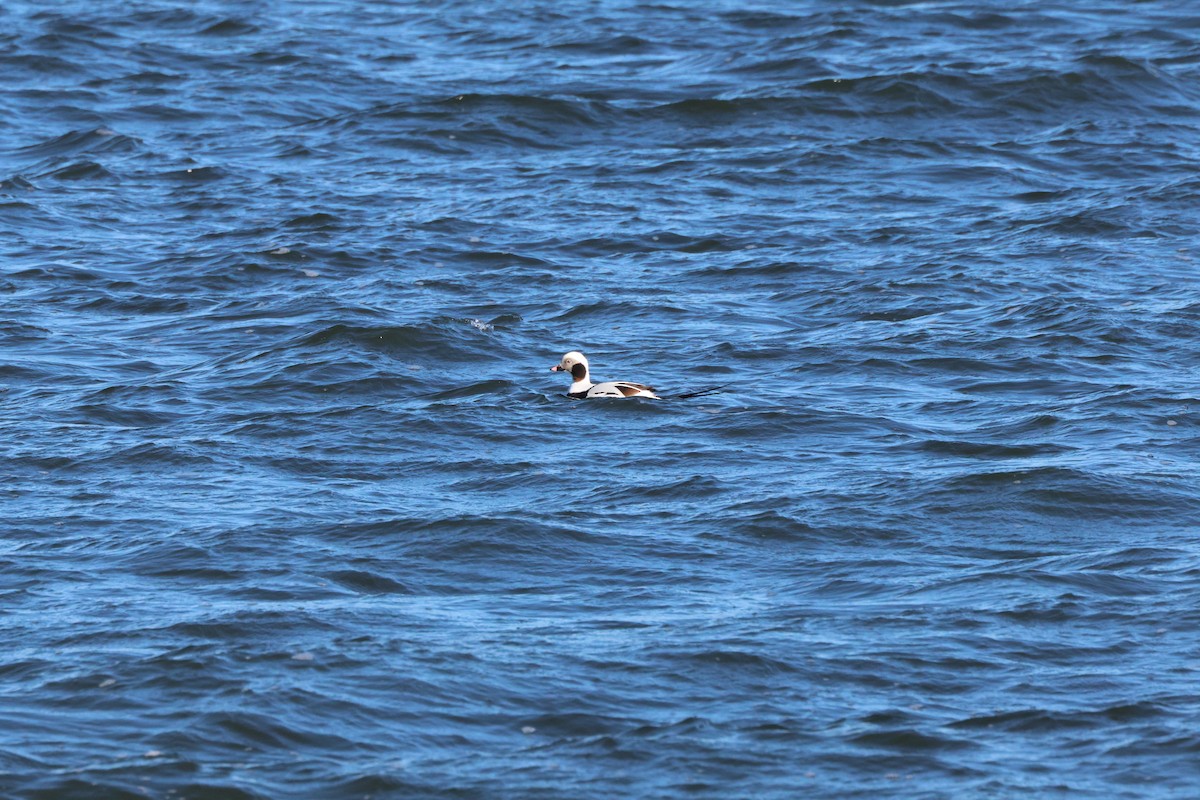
575, 363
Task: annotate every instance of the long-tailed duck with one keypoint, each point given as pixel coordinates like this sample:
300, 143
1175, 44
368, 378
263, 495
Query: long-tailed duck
582, 387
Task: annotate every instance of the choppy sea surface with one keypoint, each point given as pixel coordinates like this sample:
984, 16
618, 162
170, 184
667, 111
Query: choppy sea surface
293, 507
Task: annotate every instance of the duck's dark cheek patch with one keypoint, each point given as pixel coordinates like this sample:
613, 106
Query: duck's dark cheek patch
578, 372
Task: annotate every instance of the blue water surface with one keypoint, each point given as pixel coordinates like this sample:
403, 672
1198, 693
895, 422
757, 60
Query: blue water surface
293, 506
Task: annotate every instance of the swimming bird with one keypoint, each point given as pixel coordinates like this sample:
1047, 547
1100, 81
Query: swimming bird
582, 387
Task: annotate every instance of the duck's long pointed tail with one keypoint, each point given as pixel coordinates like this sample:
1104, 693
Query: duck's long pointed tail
699, 392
